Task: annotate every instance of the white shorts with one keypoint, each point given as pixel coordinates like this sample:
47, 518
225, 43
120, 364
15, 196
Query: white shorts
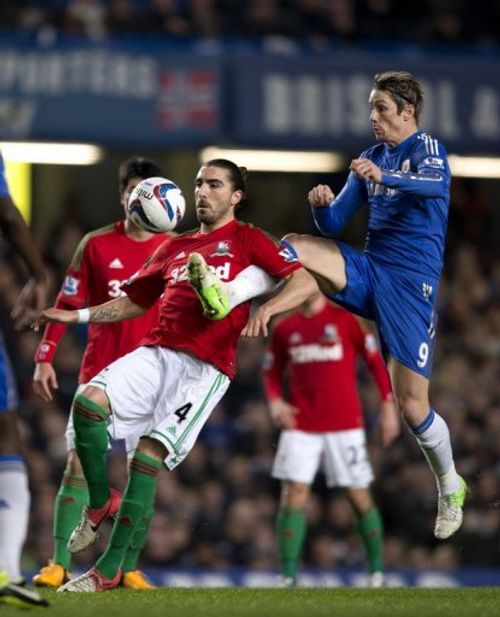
161, 393
130, 442
342, 456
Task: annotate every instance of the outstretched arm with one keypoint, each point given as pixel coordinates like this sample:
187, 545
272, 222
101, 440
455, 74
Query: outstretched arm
119, 309
299, 286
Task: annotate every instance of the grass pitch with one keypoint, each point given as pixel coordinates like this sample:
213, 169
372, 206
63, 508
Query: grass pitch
238, 602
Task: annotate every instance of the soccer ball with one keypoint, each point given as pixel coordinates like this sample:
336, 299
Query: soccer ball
156, 205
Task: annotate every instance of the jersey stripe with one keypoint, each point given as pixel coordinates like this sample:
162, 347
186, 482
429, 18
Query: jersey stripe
76, 262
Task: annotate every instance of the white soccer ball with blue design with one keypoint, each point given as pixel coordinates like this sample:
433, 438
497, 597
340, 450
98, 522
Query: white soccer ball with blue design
156, 205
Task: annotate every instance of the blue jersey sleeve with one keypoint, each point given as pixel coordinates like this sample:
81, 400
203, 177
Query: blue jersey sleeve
332, 219
4, 189
432, 175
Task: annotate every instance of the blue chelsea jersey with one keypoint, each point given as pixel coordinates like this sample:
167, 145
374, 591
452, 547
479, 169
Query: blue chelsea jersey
4, 189
408, 210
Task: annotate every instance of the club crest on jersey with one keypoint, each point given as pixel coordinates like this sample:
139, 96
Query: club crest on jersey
405, 166
295, 338
330, 333
70, 286
222, 250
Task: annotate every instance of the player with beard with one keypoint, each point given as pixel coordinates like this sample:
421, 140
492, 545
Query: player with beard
164, 391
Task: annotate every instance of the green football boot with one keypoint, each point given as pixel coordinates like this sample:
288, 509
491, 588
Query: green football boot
210, 290
450, 514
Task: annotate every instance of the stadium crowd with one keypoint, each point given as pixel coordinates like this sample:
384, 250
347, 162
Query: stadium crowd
218, 508
318, 22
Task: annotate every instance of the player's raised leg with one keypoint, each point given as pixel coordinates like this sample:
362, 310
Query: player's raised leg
218, 297
411, 391
321, 257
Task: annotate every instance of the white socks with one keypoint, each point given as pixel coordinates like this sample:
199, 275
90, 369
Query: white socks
433, 437
249, 283
14, 513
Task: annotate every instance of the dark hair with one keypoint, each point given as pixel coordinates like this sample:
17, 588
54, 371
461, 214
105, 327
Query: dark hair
237, 175
137, 167
403, 88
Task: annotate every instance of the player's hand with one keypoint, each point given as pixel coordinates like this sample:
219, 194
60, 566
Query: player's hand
44, 380
30, 302
57, 315
320, 196
258, 322
283, 414
389, 422
366, 170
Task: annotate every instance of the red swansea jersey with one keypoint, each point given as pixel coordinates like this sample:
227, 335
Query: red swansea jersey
181, 324
320, 353
104, 259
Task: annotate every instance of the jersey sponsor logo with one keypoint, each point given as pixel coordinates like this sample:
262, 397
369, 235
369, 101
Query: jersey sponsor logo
70, 285
222, 250
379, 190
432, 161
405, 166
223, 272
303, 354
116, 264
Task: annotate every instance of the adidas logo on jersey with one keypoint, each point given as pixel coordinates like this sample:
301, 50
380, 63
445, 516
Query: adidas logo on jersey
116, 264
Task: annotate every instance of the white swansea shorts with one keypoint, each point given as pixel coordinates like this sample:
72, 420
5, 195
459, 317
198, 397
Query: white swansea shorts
130, 441
161, 393
342, 455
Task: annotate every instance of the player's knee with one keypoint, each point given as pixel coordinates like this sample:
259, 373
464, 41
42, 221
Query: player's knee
73, 465
92, 403
153, 448
294, 495
294, 243
412, 407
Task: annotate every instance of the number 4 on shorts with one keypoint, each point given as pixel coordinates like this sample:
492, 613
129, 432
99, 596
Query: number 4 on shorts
182, 412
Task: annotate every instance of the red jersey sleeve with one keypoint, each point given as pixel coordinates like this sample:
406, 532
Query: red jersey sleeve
366, 345
72, 295
266, 253
275, 363
148, 284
